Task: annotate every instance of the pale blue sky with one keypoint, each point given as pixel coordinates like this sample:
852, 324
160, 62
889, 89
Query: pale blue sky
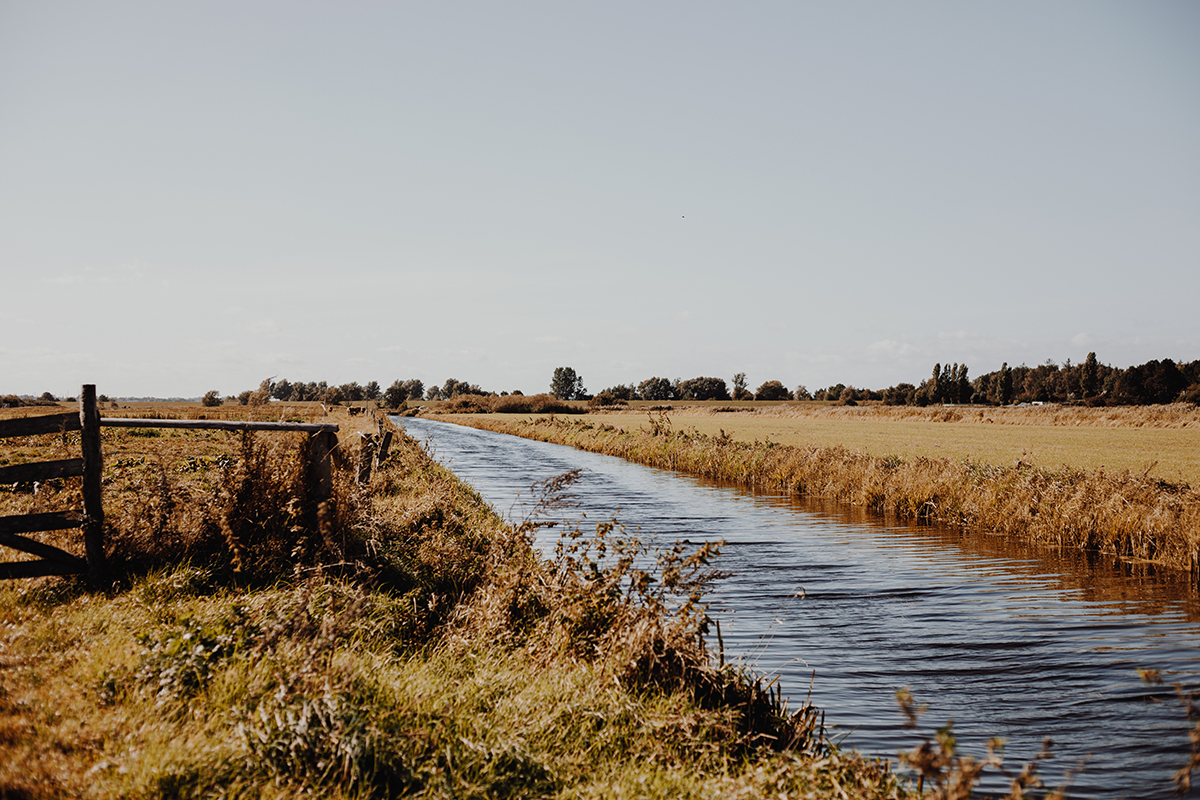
199, 195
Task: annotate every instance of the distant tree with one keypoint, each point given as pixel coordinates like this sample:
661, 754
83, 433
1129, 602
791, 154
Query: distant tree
619, 392
656, 389
772, 390
454, 387
434, 393
352, 391
333, 395
282, 390
1089, 378
566, 385
740, 392
243, 398
1006, 384
415, 388
802, 393
962, 385
848, 397
703, 389
395, 395
372, 391
211, 399
47, 397
262, 396
902, 394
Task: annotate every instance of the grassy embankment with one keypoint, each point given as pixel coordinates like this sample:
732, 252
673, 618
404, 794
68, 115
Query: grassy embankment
1118, 509
403, 641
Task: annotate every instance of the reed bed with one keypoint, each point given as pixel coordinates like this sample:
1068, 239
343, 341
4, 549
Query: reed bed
1118, 513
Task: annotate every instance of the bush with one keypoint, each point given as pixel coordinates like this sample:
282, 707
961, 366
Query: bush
211, 399
606, 399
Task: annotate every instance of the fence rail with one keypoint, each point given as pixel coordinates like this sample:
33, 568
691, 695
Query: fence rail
54, 561
217, 424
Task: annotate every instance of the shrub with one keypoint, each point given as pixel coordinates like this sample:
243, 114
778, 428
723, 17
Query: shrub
211, 399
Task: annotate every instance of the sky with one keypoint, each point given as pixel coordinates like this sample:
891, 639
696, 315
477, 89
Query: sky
200, 195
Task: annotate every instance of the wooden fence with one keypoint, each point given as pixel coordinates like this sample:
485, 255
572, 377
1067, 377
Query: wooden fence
90, 466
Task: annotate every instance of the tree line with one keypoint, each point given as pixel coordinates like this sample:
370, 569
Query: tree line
1089, 382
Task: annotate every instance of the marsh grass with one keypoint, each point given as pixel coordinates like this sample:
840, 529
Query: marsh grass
1119, 513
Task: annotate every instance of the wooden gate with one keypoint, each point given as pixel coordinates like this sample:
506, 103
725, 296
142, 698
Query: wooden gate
54, 561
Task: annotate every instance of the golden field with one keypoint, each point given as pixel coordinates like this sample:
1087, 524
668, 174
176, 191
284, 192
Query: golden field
1161, 441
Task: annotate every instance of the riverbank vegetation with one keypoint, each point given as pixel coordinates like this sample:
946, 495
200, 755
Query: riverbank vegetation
1125, 514
400, 641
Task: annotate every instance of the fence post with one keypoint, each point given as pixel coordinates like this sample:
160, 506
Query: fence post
93, 469
321, 445
366, 454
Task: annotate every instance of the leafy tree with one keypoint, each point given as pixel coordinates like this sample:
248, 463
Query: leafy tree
395, 395
1006, 384
772, 390
962, 385
282, 390
1089, 379
333, 395
740, 392
211, 399
372, 391
703, 389
46, 396
454, 387
620, 392
415, 388
802, 393
434, 393
656, 389
902, 394
243, 398
566, 385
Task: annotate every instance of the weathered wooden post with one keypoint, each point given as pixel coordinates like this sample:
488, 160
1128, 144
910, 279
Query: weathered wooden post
384, 446
320, 449
93, 469
366, 455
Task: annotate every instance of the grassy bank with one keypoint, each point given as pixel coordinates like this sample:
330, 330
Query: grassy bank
404, 641
1122, 513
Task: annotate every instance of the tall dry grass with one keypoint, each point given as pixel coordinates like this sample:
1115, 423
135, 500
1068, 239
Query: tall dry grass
1119, 513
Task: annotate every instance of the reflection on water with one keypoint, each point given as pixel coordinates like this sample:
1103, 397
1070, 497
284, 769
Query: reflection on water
1007, 639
